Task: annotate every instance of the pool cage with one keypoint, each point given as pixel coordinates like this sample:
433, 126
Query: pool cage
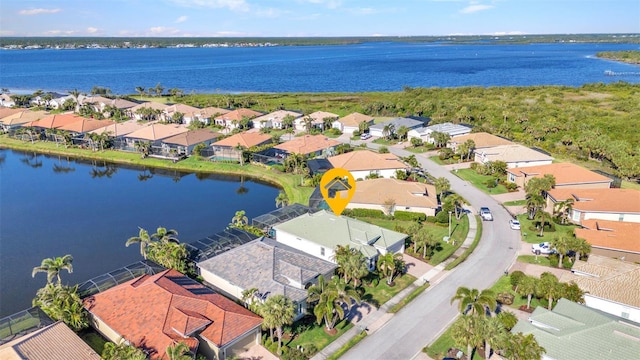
278, 216
22, 323
116, 277
218, 243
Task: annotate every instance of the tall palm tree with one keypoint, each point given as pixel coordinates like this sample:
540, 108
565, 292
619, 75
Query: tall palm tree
282, 199
278, 311
388, 130
330, 298
356, 267
581, 247
389, 264
523, 347
492, 331
542, 217
562, 209
475, 301
424, 239
457, 201
308, 123
442, 185
562, 244
163, 235
534, 203
143, 239
402, 132
140, 90
179, 351
465, 332
527, 287
53, 267
240, 219
549, 287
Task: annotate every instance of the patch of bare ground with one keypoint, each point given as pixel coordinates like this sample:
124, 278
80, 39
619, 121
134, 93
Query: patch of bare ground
587, 95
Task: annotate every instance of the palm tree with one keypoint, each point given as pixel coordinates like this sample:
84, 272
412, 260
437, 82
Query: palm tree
327, 123
562, 209
282, 199
527, 287
442, 185
465, 332
278, 311
388, 130
388, 264
523, 347
562, 244
308, 123
140, 90
163, 235
549, 287
492, 330
352, 264
122, 351
534, 203
330, 298
542, 217
402, 132
239, 219
53, 267
144, 239
179, 351
457, 201
424, 239
474, 300
241, 149
581, 247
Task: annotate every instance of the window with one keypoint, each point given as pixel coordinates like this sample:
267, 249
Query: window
322, 251
621, 217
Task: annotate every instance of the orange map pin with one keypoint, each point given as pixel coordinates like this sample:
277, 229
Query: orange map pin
334, 185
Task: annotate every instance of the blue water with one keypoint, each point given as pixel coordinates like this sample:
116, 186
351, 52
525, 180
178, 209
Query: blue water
363, 67
51, 206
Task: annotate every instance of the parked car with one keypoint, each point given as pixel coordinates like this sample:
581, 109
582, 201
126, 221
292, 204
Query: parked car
514, 224
365, 136
542, 248
485, 214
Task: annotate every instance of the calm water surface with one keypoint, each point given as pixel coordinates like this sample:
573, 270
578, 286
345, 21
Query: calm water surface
362, 67
51, 206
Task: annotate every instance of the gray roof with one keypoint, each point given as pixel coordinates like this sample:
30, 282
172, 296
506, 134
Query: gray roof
398, 122
269, 266
329, 230
449, 128
573, 331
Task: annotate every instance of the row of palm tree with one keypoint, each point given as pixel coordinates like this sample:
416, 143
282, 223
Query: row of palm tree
330, 299
549, 287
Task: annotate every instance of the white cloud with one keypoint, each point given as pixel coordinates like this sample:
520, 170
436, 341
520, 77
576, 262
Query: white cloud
163, 31
503, 33
235, 5
38, 11
6, 32
181, 19
331, 4
475, 8
92, 30
59, 32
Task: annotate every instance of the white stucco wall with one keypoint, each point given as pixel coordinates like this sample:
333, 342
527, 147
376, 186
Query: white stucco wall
305, 246
613, 308
231, 290
386, 173
578, 216
520, 164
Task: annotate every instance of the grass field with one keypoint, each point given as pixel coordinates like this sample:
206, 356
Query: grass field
515, 203
479, 181
530, 233
381, 293
317, 336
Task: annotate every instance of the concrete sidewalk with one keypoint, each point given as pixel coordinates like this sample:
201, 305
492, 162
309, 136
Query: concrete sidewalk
374, 320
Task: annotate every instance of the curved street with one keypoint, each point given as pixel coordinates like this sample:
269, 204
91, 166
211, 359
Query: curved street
422, 320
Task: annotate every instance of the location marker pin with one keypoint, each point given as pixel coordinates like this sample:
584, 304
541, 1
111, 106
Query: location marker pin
337, 187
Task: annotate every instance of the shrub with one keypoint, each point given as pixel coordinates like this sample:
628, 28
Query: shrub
372, 213
516, 277
505, 298
511, 186
431, 219
409, 216
442, 217
383, 150
474, 166
356, 133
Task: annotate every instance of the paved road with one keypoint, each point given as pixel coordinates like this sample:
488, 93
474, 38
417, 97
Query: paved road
420, 322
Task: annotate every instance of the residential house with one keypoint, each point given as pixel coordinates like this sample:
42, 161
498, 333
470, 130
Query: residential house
566, 175
232, 119
611, 285
100, 103
319, 234
395, 124
53, 100
117, 132
204, 115
274, 120
351, 122
84, 126
391, 195
154, 134
362, 163
268, 266
317, 120
227, 148
6, 101
448, 128
480, 140
147, 111
514, 155
615, 239
4, 112
603, 204
154, 312
19, 118
184, 143
573, 331
52, 342
171, 110
308, 145
55, 121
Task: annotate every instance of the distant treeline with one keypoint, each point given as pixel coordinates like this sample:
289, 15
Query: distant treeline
627, 56
122, 42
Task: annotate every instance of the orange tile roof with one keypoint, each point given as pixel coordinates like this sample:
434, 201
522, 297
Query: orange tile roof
319, 116
155, 311
404, 193
23, 116
565, 173
192, 137
157, 132
120, 129
600, 200
607, 234
238, 115
361, 160
307, 144
55, 121
354, 119
209, 112
246, 139
86, 125
184, 109
481, 139
4, 112
149, 104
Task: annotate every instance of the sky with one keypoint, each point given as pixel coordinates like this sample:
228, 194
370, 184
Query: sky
302, 18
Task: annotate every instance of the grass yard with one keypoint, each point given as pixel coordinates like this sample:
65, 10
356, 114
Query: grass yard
544, 260
384, 141
351, 343
479, 181
93, 339
381, 293
504, 285
515, 203
418, 150
530, 233
439, 348
316, 335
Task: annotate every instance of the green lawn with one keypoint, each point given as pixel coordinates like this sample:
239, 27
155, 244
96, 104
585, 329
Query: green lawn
351, 343
439, 348
479, 181
530, 233
316, 335
504, 285
384, 141
515, 203
544, 260
418, 150
93, 339
381, 293
436, 159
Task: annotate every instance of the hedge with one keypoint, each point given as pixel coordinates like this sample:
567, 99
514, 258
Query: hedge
371, 213
409, 216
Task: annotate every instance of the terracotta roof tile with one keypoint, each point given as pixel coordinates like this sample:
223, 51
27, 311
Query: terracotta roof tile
319, 116
354, 119
155, 311
307, 144
22, 117
157, 132
277, 116
55, 121
86, 125
4, 111
192, 137
511, 153
606, 234
404, 193
121, 129
149, 104
238, 115
600, 200
246, 139
564, 173
362, 160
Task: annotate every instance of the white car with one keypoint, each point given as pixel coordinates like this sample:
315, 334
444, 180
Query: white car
514, 224
365, 136
542, 248
485, 214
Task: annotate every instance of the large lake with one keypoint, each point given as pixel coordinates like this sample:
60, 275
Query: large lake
363, 67
51, 206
